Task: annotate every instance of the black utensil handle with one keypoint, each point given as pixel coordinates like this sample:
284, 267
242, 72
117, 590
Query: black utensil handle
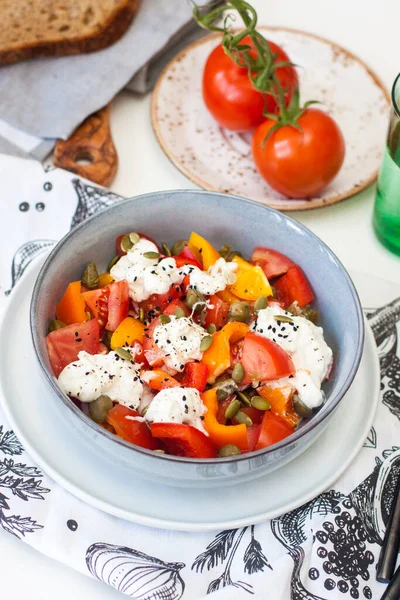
392, 591
391, 542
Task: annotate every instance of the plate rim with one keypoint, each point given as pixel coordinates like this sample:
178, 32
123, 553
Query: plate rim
107, 507
286, 205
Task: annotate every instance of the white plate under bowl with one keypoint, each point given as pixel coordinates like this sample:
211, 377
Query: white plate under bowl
220, 160
69, 458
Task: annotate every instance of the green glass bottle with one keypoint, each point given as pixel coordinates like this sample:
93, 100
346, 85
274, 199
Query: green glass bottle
387, 201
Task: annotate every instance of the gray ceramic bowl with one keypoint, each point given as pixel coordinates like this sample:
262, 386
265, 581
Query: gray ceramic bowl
222, 219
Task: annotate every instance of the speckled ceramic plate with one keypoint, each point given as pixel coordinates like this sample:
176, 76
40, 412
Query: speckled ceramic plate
220, 160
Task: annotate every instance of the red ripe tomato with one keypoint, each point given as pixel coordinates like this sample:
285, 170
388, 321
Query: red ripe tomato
184, 440
97, 302
64, 344
154, 355
253, 433
195, 376
156, 303
273, 263
218, 314
299, 164
186, 257
171, 308
273, 429
138, 354
118, 304
135, 432
231, 97
293, 286
264, 360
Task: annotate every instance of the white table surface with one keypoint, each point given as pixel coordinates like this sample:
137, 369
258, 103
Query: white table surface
368, 28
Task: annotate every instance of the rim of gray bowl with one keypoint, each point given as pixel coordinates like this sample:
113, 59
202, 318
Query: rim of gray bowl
308, 426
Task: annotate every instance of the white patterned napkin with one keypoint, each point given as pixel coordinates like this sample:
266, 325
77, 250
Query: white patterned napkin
324, 550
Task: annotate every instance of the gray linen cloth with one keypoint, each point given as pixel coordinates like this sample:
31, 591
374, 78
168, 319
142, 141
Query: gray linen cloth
46, 99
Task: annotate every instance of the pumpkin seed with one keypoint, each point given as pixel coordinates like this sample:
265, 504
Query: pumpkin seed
164, 319
211, 329
224, 250
260, 303
179, 313
260, 403
56, 324
112, 262
225, 388
244, 398
126, 243
228, 450
300, 408
194, 300
241, 417
141, 314
238, 372
233, 408
151, 255
240, 311
159, 451
166, 250
134, 237
178, 247
90, 277
99, 408
283, 319
88, 315
206, 343
144, 411
122, 353
107, 339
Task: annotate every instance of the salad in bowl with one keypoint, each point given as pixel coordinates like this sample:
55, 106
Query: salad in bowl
191, 351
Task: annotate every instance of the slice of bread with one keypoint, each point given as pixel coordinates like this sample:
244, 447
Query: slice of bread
38, 28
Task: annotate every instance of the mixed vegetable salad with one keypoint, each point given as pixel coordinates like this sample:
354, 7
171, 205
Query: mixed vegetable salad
191, 351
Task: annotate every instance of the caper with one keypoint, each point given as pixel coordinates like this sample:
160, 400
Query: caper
107, 339
122, 353
99, 408
56, 324
240, 311
225, 388
229, 257
164, 319
241, 417
179, 313
244, 398
238, 373
151, 255
260, 403
260, 303
228, 450
178, 247
205, 343
141, 314
211, 329
90, 277
233, 408
166, 250
126, 243
283, 319
112, 262
224, 250
134, 237
194, 300
300, 408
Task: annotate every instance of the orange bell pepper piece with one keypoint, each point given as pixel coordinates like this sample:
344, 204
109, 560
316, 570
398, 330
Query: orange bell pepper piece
71, 308
227, 296
127, 332
281, 401
251, 281
105, 279
203, 250
159, 380
218, 356
222, 434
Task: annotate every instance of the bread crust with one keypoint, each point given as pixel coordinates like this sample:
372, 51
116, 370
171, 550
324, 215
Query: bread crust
110, 32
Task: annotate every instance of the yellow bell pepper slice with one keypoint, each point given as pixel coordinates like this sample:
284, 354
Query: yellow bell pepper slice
227, 296
105, 279
251, 281
222, 434
205, 253
218, 356
128, 331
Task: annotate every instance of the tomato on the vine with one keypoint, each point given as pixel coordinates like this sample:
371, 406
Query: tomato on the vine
231, 97
299, 163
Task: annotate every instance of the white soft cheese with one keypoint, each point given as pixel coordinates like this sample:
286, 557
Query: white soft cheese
96, 374
305, 343
218, 276
146, 276
180, 341
177, 405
